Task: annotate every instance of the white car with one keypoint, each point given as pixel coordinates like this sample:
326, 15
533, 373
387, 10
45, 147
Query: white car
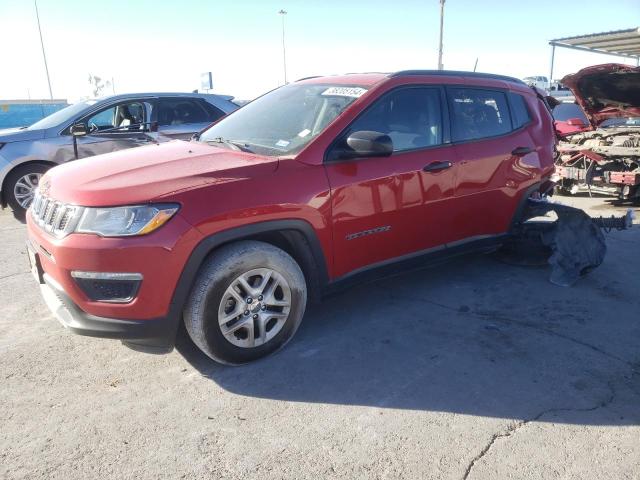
538, 81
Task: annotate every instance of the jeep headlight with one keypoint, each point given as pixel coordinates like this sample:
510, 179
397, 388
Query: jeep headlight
125, 221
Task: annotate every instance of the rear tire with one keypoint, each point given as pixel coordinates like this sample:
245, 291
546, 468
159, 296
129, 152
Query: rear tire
21, 184
247, 302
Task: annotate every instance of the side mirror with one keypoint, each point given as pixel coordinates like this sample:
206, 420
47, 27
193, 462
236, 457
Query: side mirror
79, 130
576, 122
364, 143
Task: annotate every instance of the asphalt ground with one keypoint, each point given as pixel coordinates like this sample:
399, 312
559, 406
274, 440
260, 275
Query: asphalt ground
475, 369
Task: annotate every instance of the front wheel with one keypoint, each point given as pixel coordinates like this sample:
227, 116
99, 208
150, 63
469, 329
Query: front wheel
247, 302
21, 185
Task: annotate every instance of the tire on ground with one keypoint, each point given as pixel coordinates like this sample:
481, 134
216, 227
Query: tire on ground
13, 177
215, 276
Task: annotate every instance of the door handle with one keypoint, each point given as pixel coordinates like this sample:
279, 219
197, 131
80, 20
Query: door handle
437, 166
522, 151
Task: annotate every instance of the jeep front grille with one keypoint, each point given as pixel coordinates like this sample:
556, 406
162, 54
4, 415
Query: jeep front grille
54, 217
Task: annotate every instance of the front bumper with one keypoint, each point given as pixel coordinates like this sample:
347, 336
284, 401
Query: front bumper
150, 335
159, 257
150, 320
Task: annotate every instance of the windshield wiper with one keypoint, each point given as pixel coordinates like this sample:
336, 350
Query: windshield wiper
234, 145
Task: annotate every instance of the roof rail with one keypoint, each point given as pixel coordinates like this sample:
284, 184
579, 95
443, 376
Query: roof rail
307, 78
367, 73
340, 74
457, 73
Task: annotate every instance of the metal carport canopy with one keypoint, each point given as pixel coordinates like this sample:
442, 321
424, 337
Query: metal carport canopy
621, 43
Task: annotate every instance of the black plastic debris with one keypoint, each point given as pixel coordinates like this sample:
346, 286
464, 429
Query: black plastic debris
573, 244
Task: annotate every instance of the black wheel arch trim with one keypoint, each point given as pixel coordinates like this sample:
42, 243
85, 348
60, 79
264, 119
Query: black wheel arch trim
522, 204
319, 280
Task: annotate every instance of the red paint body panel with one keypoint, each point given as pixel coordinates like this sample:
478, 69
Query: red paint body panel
564, 129
141, 175
597, 79
625, 178
373, 193
159, 257
348, 204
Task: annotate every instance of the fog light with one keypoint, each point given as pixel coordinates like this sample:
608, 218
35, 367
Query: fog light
111, 287
626, 190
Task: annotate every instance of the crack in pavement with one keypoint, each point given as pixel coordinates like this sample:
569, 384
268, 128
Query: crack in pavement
14, 274
621, 240
516, 426
512, 429
507, 320
548, 331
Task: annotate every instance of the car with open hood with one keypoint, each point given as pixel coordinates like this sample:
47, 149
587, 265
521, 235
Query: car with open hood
605, 157
93, 127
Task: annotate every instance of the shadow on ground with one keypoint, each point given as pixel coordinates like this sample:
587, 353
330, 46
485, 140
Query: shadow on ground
474, 337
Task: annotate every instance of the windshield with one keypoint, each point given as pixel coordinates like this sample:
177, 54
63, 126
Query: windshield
565, 111
62, 116
283, 121
621, 122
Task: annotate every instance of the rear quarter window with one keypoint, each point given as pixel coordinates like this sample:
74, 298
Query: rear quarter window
214, 112
519, 110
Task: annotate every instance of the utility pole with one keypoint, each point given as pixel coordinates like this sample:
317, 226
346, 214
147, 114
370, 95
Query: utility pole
282, 13
440, 66
44, 56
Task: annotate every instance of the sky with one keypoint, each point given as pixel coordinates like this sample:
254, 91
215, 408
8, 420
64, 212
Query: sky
146, 45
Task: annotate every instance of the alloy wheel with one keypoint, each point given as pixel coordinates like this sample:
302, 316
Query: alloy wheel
25, 189
254, 308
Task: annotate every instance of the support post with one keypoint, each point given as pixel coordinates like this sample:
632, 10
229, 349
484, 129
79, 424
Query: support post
284, 51
553, 54
440, 65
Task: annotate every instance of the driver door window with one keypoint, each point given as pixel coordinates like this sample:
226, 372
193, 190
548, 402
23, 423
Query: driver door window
124, 117
411, 117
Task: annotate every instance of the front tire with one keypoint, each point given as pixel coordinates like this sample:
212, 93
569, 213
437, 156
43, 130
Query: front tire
21, 185
247, 302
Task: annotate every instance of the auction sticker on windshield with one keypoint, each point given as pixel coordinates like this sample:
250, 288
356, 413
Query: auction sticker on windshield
353, 92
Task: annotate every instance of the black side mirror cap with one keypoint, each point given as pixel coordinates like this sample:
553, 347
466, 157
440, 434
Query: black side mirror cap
78, 130
364, 143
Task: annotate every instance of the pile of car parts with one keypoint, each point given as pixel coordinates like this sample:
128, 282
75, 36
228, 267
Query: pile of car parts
573, 244
605, 161
606, 158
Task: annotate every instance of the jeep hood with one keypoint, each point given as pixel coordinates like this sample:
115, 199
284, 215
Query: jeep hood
144, 174
606, 91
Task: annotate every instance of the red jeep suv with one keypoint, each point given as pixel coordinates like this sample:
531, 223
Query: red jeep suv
297, 193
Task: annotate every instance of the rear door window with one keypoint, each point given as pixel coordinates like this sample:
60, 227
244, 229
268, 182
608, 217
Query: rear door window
181, 111
477, 113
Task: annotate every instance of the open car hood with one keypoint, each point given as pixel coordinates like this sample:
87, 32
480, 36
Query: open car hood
606, 91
